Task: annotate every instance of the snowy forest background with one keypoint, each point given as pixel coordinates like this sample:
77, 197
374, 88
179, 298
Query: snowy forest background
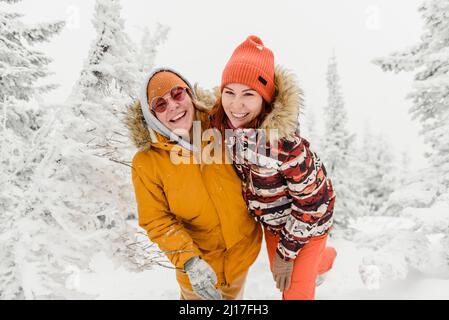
68, 226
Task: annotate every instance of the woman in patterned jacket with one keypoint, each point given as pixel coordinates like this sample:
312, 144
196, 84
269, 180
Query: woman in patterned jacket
287, 191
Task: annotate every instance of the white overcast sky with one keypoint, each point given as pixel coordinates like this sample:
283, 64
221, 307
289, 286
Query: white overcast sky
302, 35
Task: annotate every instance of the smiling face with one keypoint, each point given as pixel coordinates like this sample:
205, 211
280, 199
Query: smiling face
179, 115
241, 104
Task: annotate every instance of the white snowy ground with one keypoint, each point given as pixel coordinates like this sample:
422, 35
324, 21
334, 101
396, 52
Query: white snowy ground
343, 282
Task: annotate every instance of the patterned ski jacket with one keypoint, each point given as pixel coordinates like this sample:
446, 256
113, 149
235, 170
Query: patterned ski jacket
287, 190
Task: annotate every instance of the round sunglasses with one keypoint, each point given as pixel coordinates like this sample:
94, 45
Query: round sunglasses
160, 104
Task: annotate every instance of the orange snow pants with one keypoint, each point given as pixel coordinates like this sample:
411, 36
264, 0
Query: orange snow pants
314, 259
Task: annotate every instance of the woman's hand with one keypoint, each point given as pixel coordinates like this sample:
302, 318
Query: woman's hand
282, 272
203, 278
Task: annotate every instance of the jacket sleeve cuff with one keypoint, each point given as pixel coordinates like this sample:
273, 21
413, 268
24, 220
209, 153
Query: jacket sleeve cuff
183, 257
289, 250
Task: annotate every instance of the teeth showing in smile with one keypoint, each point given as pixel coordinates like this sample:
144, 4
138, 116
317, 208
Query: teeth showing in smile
179, 116
239, 115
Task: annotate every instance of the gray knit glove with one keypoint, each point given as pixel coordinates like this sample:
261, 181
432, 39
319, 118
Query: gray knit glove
203, 278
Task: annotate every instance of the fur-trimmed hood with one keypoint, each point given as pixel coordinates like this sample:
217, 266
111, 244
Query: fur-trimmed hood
284, 117
286, 105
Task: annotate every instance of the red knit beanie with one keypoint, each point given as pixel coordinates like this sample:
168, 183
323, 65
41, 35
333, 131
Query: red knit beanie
251, 64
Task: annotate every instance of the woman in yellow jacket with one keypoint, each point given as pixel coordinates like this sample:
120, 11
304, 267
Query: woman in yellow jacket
195, 213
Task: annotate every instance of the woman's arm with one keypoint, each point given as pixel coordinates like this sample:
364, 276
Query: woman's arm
312, 199
161, 225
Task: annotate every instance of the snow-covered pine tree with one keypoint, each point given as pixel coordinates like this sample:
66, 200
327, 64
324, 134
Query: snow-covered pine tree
79, 190
148, 48
379, 170
21, 65
21, 69
111, 65
83, 180
339, 154
429, 59
309, 129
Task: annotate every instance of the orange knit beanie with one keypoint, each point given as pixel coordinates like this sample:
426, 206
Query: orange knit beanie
162, 82
251, 64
